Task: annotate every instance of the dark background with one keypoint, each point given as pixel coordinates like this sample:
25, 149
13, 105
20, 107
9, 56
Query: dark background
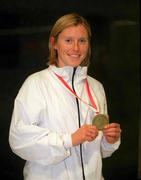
24, 29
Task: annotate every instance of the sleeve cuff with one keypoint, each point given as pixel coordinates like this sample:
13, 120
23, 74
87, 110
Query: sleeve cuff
110, 146
67, 141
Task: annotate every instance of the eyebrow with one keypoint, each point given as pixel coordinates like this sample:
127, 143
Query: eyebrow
81, 37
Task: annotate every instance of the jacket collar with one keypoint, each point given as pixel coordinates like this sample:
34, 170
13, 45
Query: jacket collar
66, 72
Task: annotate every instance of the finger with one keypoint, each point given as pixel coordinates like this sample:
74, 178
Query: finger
112, 125
113, 135
92, 134
112, 132
112, 128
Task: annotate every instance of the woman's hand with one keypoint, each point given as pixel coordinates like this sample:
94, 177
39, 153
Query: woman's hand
85, 133
112, 132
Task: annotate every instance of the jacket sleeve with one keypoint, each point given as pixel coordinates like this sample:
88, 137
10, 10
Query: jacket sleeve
107, 149
27, 138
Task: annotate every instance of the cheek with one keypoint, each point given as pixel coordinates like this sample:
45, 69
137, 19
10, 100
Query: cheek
62, 51
61, 48
84, 50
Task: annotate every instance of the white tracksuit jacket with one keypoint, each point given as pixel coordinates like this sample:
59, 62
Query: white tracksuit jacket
44, 117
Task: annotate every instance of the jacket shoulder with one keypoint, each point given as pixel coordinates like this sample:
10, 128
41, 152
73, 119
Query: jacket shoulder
92, 80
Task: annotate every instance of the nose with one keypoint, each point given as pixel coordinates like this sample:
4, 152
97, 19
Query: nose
76, 46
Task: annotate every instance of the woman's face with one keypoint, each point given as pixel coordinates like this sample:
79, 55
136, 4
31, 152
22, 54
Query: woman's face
72, 46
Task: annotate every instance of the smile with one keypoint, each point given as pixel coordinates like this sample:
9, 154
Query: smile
75, 55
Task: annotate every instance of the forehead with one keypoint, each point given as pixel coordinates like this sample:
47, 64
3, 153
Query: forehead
78, 31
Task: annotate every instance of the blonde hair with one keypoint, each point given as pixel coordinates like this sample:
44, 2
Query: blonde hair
62, 23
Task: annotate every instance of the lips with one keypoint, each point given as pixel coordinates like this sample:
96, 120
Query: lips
75, 55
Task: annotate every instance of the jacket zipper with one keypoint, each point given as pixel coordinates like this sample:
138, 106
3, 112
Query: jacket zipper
78, 110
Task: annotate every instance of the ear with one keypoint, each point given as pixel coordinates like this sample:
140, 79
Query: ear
52, 41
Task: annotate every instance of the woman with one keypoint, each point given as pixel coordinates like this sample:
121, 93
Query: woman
51, 125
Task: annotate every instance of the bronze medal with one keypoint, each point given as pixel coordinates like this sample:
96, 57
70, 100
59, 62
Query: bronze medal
100, 121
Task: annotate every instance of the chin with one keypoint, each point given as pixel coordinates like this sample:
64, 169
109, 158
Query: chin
76, 64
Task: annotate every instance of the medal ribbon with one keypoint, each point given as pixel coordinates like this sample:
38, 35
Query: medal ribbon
93, 104
90, 95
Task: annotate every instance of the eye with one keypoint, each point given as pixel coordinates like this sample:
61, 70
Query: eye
68, 40
83, 40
